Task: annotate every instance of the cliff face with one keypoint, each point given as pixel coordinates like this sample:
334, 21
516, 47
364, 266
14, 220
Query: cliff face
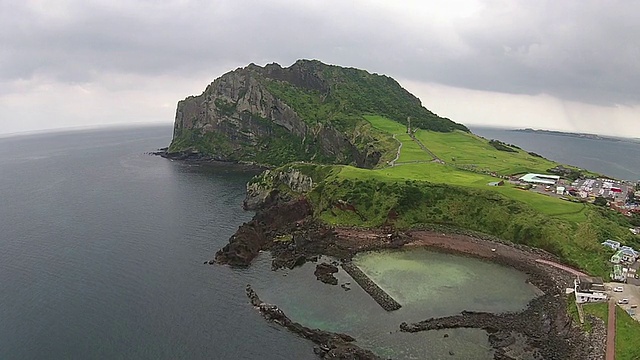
238, 118
274, 115
268, 185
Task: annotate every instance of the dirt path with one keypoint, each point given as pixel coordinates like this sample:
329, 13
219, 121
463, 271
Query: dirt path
611, 331
425, 148
393, 162
560, 266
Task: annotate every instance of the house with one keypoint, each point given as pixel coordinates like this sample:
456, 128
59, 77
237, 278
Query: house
616, 258
614, 245
619, 273
628, 254
589, 289
625, 254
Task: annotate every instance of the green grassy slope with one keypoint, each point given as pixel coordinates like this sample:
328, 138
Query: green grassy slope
351, 93
410, 151
442, 174
430, 193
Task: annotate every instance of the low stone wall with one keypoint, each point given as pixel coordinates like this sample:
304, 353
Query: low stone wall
379, 295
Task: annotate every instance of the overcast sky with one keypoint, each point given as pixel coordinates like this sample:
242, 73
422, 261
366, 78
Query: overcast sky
564, 65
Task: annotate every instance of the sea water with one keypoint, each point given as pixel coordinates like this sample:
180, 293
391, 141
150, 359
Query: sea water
426, 283
102, 249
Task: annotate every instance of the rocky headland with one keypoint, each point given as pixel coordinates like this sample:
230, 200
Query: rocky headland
312, 113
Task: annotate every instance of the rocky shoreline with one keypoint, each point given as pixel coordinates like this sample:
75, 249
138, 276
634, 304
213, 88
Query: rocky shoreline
192, 156
543, 330
329, 345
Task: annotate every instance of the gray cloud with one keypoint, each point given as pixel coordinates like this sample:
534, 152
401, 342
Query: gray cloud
577, 50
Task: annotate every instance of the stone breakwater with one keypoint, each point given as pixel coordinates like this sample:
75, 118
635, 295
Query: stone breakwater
379, 295
330, 345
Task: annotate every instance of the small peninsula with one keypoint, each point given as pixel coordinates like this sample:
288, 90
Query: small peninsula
576, 135
353, 162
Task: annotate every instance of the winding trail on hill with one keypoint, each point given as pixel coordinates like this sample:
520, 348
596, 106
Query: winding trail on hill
393, 162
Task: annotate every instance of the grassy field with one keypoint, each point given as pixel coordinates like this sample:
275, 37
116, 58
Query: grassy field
468, 150
411, 151
627, 335
599, 310
627, 329
462, 149
438, 173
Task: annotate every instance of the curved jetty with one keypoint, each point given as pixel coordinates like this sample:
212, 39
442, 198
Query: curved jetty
379, 295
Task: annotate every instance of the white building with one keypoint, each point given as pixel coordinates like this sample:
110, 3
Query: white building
540, 179
589, 289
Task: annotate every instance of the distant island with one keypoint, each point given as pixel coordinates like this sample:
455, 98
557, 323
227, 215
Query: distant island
577, 135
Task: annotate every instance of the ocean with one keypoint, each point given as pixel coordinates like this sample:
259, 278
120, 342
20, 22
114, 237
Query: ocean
102, 251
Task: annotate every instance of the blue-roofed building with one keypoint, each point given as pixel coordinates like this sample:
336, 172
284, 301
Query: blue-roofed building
614, 245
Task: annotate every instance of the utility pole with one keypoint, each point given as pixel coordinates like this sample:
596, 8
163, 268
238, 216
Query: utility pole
408, 124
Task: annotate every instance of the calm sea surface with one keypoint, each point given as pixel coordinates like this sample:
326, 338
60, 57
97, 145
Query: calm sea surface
102, 250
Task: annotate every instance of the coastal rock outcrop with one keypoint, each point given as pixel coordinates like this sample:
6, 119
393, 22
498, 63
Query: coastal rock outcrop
324, 272
330, 345
263, 189
258, 234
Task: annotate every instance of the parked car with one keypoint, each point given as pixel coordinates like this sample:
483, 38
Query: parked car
618, 289
623, 301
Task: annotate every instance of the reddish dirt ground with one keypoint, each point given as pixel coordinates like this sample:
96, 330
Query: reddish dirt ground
611, 331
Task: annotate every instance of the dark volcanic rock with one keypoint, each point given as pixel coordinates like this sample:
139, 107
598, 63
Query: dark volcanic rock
324, 272
258, 234
330, 345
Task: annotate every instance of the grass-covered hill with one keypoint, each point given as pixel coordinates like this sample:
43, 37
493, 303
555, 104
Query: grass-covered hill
416, 191
309, 111
347, 129
341, 96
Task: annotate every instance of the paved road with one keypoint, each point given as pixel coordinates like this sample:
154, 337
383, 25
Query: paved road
611, 331
562, 267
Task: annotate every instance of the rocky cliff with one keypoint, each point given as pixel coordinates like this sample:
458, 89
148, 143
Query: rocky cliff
308, 111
